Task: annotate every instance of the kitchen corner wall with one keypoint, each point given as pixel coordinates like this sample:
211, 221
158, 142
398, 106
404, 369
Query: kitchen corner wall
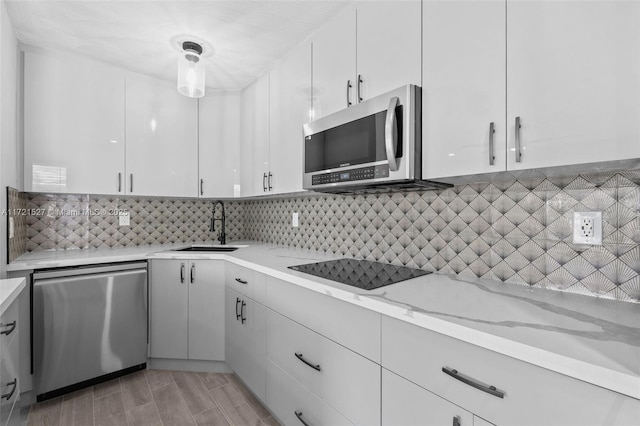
514, 230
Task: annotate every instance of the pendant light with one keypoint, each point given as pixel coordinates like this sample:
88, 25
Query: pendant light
191, 70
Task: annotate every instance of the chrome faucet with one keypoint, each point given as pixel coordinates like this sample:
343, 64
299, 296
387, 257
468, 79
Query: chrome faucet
212, 227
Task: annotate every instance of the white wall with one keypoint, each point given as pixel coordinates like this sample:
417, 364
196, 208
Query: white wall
10, 151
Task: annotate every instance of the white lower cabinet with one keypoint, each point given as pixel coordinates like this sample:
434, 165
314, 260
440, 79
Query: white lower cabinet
9, 366
406, 404
187, 309
351, 326
522, 394
338, 376
295, 405
245, 339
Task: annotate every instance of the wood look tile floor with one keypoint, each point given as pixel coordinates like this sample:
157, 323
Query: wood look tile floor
156, 397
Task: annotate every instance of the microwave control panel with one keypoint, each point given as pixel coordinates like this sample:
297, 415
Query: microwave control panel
363, 173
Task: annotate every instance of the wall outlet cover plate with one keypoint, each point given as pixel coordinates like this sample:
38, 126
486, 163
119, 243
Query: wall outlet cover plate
587, 228
124, 219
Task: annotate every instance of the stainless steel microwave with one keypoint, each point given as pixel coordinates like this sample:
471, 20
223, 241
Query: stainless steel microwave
371, 145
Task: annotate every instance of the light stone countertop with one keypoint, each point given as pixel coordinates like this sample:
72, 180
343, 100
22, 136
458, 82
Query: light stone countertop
9, 291
590, 339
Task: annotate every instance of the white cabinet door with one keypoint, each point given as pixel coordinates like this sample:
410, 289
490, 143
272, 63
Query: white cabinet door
162, 139
463, 88
218, 145
254, 134
388, 48
573, 79
74, 137
169, 309
290, 108
245, 340
206, 310
407, 404
334, 64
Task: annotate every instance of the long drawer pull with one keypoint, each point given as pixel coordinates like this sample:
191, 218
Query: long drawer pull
302, 420
241, 281
8, 396
466, 380
237, 303
301, 358
11, 325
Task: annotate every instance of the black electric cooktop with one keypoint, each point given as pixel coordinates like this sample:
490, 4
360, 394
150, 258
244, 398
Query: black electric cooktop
360, 273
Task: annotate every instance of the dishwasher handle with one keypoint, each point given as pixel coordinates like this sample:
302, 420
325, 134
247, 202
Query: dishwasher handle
71, 272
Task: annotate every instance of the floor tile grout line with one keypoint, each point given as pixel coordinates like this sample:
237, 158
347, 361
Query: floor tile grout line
153, 398
222, 411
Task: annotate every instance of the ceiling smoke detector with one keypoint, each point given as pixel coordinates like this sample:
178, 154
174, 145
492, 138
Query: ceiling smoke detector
191, 70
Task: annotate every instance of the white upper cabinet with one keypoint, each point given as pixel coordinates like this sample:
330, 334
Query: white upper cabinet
290, 108
162, 139
370, 48
74, 138
388, 46
254, 138
218, 145
463, 89
573, 72
334, 64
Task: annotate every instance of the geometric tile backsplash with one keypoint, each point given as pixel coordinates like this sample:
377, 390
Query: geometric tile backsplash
514, 230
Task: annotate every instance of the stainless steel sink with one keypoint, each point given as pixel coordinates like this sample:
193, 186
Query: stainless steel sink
220, 249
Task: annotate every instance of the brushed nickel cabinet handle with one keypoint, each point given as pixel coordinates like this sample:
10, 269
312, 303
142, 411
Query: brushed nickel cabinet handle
471, 382
456, 420
192, 274
264, 182
11, 325
242, 317
182, 273
14, 385
131, 183
119, 182
348, 93
518, 142
492, 131
201, 186
299, 416
241, 281
359, 88
301, 358
270, 178
238, 315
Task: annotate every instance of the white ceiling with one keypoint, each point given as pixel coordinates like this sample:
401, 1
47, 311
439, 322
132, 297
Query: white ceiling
241, 38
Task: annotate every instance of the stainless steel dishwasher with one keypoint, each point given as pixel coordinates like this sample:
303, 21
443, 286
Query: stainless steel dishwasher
89, 325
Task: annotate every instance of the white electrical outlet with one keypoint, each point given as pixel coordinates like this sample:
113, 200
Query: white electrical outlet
124, 219
587, 228
11, 227
294, 220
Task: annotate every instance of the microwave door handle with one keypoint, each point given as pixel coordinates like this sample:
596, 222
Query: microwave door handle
391, 134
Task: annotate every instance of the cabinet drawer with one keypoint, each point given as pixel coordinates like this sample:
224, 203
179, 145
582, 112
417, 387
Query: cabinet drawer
347, 381
246, 281
8, 326
352, 326
286, 397
407, 404
9, 384
420, 356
